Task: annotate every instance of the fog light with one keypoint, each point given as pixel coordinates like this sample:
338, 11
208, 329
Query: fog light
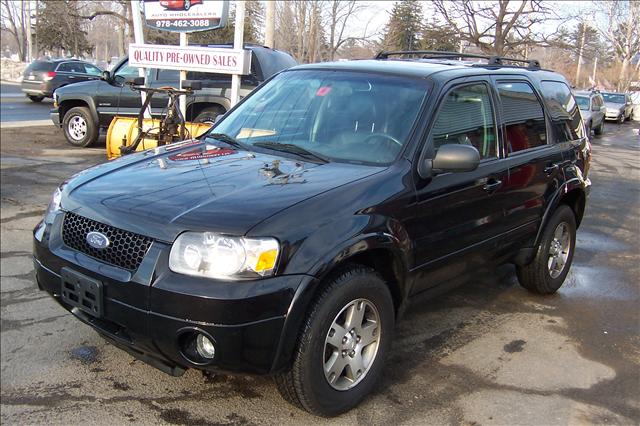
205, 347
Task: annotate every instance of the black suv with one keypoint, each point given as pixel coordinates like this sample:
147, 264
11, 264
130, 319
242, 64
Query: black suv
42, 77
81, 110
289, 238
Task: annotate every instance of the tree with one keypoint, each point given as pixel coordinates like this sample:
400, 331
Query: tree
339, 14
15, 20
404, 30
253, 22
497, 27
60, 28
623, 34
438, 36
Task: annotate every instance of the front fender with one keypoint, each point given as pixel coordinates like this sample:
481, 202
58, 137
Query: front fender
74, 99
391, 238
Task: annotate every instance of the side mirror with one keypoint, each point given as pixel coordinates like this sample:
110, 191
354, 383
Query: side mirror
106, 76
450, 158
135, 81
192, 84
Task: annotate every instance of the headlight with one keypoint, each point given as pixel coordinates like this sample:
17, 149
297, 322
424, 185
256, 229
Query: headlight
218, 256
54, 205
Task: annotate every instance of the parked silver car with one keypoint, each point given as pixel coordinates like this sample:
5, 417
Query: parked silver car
619, 106
593, 110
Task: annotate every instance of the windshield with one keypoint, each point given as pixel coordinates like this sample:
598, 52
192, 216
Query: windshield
613, 98
343, 116
583, 102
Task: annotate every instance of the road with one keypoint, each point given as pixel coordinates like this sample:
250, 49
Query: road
15, 107
487, 353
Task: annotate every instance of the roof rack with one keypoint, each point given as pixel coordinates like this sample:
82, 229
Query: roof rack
492, 60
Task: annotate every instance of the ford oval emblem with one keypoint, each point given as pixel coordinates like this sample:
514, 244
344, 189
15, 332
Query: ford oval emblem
98, 240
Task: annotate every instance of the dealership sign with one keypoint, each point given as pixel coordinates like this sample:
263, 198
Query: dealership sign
186, 15
190, 58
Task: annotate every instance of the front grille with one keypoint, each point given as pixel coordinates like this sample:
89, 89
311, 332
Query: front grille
126, 249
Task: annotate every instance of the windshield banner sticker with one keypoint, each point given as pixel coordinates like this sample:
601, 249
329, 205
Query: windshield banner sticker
209, 151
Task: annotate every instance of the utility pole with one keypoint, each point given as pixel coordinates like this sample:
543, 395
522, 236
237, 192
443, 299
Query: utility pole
584, 32
238, 44
595, 67
184, 42
270, 24
28, 28
139, 39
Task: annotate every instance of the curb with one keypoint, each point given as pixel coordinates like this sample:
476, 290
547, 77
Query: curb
15, 124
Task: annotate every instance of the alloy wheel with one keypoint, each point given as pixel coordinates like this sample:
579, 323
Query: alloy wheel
351, 344
559, 249
77, 127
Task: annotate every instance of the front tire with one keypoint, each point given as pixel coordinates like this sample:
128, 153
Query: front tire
620, 119
550, 266
209, 115
342, 344
35, 99
79, 128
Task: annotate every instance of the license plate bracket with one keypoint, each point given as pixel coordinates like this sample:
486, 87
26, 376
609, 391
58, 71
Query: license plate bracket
81, 291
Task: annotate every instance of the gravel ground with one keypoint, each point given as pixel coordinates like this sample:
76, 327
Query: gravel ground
485, 353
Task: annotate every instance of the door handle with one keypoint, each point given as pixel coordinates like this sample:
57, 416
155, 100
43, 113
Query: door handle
492, 185
552, 168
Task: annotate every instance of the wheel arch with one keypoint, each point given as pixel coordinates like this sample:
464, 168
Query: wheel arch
65, 105
378, 252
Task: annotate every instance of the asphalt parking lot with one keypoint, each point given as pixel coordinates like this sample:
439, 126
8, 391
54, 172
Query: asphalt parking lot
485, 353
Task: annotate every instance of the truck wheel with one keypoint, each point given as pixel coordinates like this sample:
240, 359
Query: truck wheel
600, 129
208, 115
79, 128
342, 344
546, 273
34, 98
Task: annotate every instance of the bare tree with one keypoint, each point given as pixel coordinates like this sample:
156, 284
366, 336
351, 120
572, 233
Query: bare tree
340, 15
498, 27
623, 33
15, 19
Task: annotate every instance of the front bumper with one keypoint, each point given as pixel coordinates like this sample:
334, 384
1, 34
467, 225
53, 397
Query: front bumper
147, 312
54, 114
613, 115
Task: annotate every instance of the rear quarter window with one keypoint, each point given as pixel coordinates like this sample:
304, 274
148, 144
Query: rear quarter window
40, 66
566, 121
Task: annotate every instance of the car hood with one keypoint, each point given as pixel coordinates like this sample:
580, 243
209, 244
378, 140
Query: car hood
611, 105
199, 187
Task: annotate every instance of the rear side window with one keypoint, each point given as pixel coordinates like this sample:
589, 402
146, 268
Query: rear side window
74, 67
565, 115
523, 116
40, 66
168, 75
90, 69
466, 117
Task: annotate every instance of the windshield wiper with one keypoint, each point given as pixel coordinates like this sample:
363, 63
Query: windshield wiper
293, 149
222, 137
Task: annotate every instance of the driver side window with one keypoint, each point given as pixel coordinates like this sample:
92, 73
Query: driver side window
466, 117
124, 72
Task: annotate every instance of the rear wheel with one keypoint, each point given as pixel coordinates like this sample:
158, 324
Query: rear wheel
34, 98
79, 128
209, 115
342, 344
550, 266
600, 129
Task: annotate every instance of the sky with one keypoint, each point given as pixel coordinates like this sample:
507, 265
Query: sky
374, 18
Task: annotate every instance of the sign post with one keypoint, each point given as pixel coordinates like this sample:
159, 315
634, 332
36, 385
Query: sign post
139, 38
237, 45
184, 42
